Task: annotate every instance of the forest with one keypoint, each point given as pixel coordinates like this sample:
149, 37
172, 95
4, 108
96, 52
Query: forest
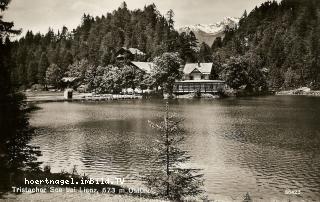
280, 40
275, 46
46, 58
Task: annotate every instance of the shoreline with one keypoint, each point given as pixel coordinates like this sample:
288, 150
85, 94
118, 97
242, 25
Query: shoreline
299, 92
47, 96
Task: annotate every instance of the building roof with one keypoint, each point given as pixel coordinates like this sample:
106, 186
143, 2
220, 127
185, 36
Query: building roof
204, 68
133, 51
145, 66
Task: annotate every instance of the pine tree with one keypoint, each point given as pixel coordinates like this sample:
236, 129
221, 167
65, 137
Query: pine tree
32, 72
42, 68
188, 47
217, 43
205, 53
170, 180
170, 27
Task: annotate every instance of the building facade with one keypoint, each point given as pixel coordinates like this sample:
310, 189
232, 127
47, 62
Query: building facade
198, 77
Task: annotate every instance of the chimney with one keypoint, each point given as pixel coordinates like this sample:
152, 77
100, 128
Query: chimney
199, 64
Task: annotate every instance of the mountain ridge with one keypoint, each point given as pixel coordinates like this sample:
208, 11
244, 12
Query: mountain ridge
207, 33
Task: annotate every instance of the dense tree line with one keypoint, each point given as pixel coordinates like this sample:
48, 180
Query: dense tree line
276, 45
43, 58
278, 42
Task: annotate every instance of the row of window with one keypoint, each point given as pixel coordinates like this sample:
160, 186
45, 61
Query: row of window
202, 77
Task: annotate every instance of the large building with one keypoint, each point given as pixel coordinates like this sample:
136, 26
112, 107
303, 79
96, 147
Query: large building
198, 77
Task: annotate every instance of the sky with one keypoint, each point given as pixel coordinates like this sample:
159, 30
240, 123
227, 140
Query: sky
39, 15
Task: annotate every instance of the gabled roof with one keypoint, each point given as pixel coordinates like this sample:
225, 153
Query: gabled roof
145, 66
204, 68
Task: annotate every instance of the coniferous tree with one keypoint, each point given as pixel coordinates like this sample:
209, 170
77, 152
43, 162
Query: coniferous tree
170, 179
32, 72
188, 47
42, 68
205, 53
217, 43
170, 27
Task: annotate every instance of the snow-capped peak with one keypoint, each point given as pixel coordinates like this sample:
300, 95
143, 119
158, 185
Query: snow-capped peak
211, 29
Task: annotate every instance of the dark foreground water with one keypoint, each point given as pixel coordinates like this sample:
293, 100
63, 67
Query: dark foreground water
263, 145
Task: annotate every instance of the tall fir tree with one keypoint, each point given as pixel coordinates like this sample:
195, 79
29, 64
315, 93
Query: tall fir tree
42, 68
168, 179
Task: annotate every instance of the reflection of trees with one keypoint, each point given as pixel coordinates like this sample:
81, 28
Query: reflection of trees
15, 131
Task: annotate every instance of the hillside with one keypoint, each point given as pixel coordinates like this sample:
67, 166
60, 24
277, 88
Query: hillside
281, 39
95, 42
275, 46
208, 33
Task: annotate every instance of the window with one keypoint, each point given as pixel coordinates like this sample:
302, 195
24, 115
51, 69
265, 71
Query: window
191, 77
202, 77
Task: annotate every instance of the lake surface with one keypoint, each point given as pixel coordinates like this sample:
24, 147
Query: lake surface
262, 145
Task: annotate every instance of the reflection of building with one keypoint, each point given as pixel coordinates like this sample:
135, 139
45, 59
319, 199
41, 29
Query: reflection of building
198, 77
129, 54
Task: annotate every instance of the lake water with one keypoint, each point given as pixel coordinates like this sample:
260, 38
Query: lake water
261, 145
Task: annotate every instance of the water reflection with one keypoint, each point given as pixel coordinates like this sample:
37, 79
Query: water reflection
262, 145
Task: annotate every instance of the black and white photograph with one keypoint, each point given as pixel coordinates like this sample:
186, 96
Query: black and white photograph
160, 100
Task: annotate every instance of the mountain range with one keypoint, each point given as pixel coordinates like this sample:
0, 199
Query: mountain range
209, 32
